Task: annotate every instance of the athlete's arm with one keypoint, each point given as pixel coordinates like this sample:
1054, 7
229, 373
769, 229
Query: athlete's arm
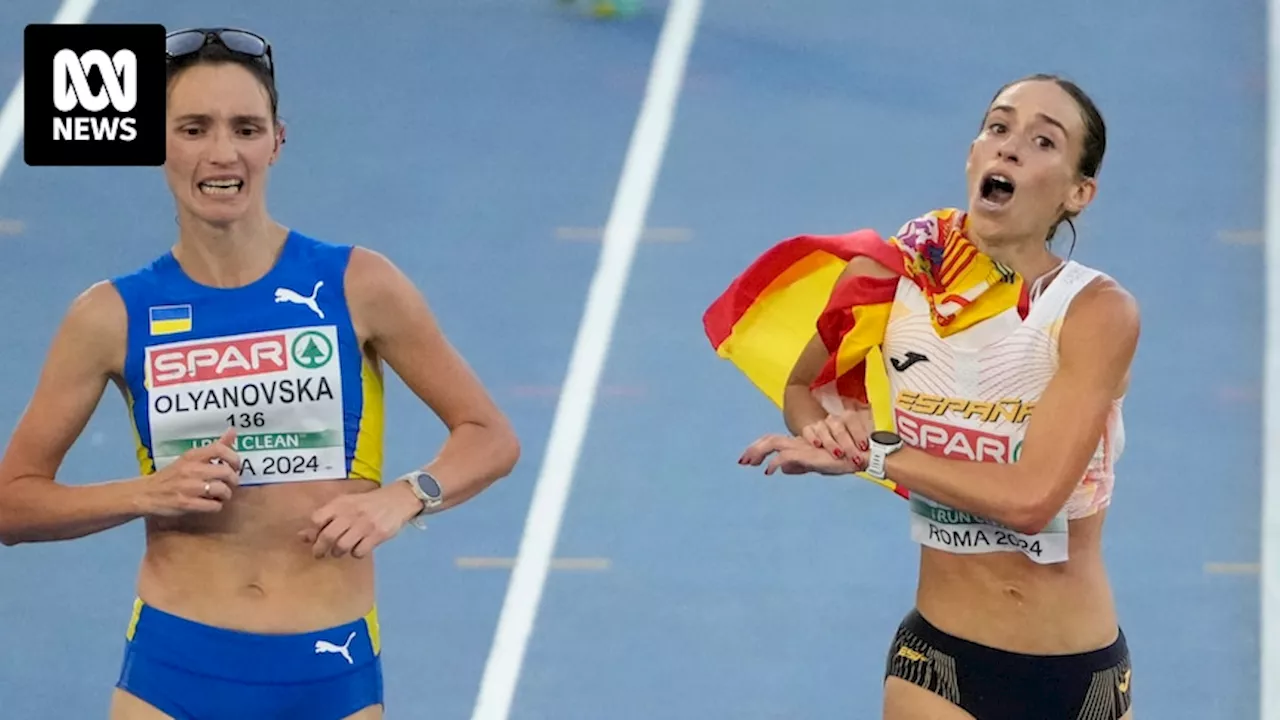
88, 345
400, 327
1097, 344
800, 409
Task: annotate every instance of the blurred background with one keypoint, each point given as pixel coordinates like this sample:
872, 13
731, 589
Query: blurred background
479, 144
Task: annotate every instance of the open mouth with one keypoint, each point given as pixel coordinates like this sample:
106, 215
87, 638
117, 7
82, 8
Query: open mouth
221, 186
996, 189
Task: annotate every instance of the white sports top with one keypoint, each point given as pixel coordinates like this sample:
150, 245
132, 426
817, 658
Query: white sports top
970, 395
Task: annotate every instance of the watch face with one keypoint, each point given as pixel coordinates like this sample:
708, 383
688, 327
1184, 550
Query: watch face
884, 437
428, 484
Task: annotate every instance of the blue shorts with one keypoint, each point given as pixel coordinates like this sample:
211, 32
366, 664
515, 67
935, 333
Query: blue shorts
196, 672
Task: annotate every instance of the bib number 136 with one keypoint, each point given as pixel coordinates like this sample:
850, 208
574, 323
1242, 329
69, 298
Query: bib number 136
246, 420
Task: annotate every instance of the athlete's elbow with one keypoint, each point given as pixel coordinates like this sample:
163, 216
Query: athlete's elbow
1031, 512
504, 449
1028, 521
11, 532
508, 454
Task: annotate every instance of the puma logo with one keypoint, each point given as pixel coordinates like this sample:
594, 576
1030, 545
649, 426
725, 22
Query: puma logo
324, 646
1123, 683
911, 358
287, 295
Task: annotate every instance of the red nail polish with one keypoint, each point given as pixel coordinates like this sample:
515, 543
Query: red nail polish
838, 453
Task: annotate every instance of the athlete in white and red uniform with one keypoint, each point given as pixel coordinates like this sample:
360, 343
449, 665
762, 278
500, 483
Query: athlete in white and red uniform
1007, 436
970, 396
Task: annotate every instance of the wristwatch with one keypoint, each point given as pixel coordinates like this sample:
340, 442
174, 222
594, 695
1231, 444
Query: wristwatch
427, 489
883, 443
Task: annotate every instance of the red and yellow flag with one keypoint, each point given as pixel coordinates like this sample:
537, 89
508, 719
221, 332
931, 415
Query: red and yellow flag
763, 321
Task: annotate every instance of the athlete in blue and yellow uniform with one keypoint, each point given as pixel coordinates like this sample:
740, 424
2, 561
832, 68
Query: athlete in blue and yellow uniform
251, 359
277, 359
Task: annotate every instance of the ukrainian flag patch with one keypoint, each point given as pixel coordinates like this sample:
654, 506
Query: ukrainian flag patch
170, 319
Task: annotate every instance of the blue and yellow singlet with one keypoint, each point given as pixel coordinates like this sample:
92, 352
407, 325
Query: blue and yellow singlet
278, 359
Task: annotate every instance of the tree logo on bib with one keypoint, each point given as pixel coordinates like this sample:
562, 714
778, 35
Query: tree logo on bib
311, 350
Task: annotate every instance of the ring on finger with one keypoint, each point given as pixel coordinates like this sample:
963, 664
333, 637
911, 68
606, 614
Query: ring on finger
206, 488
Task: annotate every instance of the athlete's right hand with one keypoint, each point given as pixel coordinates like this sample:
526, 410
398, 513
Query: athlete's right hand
199, 481
845, 434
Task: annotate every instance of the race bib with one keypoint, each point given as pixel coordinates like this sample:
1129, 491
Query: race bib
281, 390
943, 528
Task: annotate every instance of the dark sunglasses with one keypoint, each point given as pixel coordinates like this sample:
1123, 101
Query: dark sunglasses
181, 44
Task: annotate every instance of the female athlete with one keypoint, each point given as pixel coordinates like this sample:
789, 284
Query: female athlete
1014, 615
250, 359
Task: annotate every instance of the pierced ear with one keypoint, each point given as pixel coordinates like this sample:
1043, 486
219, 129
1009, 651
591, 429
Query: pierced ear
280, 138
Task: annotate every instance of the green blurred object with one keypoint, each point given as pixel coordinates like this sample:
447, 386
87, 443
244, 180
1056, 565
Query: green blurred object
615, 8
606, 9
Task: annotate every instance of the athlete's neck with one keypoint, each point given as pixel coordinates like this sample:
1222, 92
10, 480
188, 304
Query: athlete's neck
228, 256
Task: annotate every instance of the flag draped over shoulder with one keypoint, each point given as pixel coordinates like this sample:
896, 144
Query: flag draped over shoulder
768, 314
763, 321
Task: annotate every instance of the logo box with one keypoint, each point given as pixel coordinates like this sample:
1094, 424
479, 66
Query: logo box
94, 95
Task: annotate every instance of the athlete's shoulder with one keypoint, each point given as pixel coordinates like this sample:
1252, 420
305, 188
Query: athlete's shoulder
98, 301
1104, 312
97, 316
383, 299
1105, 294
371, 270
869, 266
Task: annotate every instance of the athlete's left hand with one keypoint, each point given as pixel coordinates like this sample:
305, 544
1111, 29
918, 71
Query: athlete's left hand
356, 524
795, 456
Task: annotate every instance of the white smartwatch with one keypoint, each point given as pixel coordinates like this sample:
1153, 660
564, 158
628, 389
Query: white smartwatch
427, 489
882, 444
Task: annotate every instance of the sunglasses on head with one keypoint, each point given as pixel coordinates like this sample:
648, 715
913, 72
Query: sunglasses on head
181, 44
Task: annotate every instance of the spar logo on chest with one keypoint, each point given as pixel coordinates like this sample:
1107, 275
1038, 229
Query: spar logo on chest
244, 371
922, 421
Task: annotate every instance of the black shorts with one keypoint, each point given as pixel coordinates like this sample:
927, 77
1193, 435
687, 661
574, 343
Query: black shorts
993, 684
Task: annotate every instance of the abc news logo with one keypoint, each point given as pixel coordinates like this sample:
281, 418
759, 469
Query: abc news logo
71, 91
95, 95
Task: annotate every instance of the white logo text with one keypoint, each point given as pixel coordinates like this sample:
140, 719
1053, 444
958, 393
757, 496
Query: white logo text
71, 90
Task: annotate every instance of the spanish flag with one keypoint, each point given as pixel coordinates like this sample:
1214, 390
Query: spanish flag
763, 321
